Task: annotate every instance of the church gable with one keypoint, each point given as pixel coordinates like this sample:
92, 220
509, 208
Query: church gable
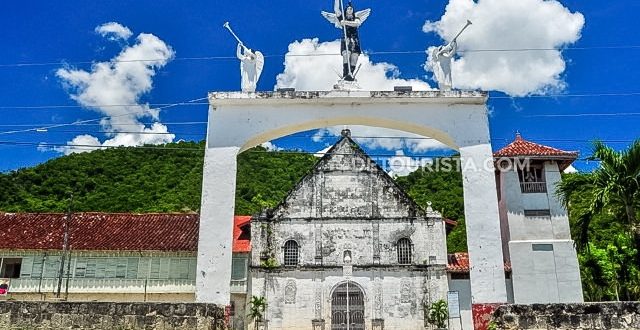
346, 183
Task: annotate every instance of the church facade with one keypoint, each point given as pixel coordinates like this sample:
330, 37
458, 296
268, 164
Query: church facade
347, 246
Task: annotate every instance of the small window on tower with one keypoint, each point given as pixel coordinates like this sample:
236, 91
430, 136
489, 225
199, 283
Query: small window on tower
537, 214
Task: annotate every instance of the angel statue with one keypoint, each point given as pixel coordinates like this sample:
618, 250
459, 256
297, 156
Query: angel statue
441, 57
251, 64
348, 20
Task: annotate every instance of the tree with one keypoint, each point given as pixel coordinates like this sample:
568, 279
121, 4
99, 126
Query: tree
256, 310
438, 314
615, 189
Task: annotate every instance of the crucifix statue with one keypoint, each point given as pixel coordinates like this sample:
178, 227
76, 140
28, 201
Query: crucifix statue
348, 20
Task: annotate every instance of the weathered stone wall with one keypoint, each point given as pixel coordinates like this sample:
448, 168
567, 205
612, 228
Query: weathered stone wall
25, 315
394, 295
611, 316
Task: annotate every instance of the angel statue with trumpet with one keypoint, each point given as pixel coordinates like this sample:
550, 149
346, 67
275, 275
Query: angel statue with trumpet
251, 64
348, 20
441, 58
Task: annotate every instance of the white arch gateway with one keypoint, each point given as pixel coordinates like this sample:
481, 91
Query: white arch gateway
239, 121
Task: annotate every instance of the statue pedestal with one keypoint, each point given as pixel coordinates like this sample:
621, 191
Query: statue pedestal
345, 85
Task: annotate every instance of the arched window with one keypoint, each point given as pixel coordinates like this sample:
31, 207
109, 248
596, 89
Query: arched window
291, 253
404, 251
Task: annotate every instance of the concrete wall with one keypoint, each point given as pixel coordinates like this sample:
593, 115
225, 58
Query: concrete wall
611, 316
543, 259
393, 294
545, 271
108, 316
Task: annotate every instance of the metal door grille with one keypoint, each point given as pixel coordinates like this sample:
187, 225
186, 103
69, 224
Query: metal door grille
347, 308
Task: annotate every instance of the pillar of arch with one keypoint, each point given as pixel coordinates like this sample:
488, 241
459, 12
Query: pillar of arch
239, 121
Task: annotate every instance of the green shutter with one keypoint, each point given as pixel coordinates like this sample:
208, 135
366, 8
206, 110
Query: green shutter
81, 267
92, 264
192, 268
164, 268
101, 267
52, 267
154, 272
143, 268
26, 268
36, 270
238, 268
121, 267
184, 269
132, 267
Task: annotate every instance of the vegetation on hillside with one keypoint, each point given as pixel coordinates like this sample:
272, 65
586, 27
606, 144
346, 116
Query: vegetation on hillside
603, 209
443, 189
146, 180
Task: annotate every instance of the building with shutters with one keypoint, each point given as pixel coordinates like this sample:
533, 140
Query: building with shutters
113, 256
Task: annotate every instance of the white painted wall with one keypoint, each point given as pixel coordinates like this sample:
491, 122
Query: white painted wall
540, 276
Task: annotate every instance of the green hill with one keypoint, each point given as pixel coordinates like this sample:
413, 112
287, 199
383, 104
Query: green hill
170, 180
145, 180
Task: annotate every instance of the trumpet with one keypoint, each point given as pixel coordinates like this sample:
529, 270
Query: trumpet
459, 33
228, 27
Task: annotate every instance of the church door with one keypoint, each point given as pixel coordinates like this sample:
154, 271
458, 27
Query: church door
347, 307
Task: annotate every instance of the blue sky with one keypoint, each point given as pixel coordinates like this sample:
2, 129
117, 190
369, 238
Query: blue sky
35, 32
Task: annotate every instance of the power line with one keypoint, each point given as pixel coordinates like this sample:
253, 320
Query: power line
94, 120
88, 124
64, 106
217, 58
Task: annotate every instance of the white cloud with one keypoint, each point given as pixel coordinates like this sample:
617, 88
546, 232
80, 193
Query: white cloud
114, 88
270, 146
321, 72
401, 165
114, 31
382, 138
570, 169
509, 24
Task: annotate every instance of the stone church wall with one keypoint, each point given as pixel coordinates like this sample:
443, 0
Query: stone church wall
394, 295
329, 239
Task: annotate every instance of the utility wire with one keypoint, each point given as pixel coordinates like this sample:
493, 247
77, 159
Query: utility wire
423, 51
93, 120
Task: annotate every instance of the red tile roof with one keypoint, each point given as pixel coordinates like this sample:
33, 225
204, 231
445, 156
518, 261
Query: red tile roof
459, 263
241, 234
522, 147
107, 231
